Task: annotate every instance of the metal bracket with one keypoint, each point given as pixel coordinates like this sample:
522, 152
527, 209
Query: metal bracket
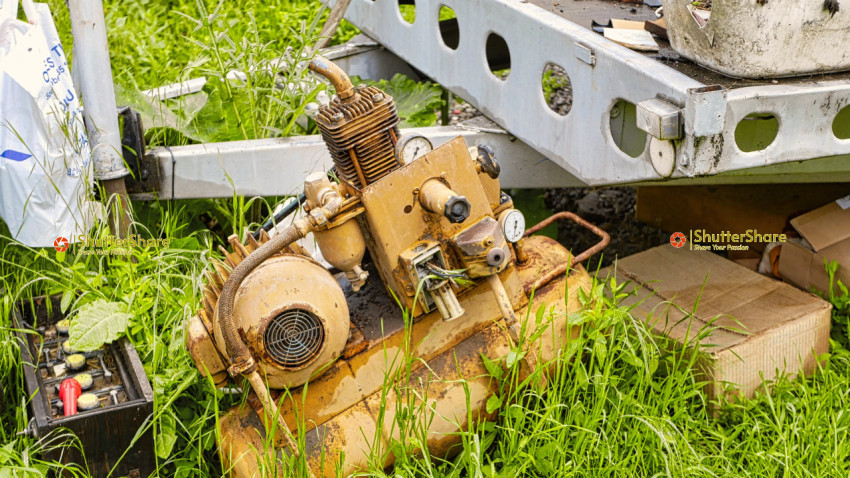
144, 172
659, 119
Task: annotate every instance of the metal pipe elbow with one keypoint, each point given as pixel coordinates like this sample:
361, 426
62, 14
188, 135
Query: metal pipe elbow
341, 82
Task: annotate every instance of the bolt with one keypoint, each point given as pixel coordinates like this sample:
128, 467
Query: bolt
377, 97
615, 112
337, 117
106, 373
495, 258
114, 395
684, 160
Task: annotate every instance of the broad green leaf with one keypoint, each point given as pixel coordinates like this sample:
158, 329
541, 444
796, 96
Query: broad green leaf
218, 120
581, 376
493, 368
67, 297
513, 357
493, 403
416, 102
166, 437
97, 323
539, 316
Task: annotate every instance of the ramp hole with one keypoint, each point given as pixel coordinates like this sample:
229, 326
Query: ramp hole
756, 132
841, 124
449, 27
407, 9
557, 89
498, 56
624, 131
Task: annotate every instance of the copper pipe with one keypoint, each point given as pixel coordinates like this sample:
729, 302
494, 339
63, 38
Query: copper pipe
342, 84
562, 269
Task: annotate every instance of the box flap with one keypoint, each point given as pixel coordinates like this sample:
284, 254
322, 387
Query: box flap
826, 225
804, 268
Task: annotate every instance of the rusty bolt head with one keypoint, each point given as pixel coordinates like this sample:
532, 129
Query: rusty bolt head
377, 97
318, 216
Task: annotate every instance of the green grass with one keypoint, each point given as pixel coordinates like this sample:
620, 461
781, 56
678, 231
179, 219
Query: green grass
620, 402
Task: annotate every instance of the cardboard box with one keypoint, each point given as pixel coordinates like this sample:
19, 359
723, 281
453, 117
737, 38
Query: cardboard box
761, 325
827, 230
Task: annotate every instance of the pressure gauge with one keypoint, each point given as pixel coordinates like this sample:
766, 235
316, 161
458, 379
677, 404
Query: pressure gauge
412, 146
513, 224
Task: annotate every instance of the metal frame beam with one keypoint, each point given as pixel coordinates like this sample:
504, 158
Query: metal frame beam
277, 167
601, 74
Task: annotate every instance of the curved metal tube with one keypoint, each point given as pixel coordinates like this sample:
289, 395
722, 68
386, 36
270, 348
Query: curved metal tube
240, 357
562, 269
342, 84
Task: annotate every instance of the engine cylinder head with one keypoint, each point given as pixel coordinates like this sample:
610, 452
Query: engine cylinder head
361, 134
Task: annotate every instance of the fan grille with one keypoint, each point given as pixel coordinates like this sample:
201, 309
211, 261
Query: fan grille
294, 338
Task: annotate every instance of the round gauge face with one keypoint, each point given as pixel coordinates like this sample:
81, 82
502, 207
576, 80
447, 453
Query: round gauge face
513, 225
413, 146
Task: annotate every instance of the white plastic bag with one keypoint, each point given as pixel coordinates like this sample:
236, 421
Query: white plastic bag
8, 9
45, 159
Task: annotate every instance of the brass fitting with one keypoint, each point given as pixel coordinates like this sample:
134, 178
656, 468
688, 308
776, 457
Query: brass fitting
341, 241
439, 199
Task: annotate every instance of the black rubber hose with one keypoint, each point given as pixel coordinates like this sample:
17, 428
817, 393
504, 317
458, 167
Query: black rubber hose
281, 215
287, 210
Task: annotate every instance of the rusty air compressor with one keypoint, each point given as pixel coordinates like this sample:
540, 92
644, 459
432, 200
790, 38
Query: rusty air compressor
318, 349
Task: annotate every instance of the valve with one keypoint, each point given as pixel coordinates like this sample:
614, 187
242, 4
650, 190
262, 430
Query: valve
439, 199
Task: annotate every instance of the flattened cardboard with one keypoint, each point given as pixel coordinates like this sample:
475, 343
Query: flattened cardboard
761, 326
636, 39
